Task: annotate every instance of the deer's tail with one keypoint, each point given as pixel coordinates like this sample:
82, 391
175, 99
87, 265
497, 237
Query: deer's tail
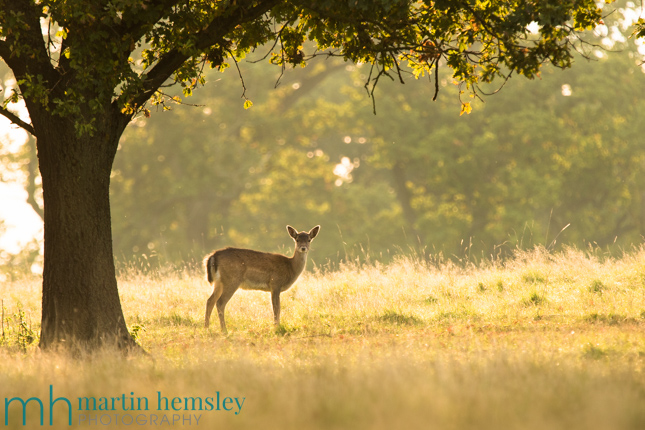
210, 264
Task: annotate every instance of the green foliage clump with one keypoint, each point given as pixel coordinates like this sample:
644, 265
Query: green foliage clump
594, 352
430, 300
534, 277
135, 331
597, 287
534, 299
17, 331
610, 318
399, 318
176, 319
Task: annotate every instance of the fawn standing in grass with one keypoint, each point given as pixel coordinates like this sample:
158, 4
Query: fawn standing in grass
231, 268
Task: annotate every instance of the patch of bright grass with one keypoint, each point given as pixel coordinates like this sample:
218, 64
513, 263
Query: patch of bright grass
594, 352
596, 287
534, 299
285, 329
430, 300
395, 317
611, 319
175, 319
534, 277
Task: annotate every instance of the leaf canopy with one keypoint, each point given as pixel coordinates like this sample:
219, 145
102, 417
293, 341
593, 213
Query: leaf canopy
78, 58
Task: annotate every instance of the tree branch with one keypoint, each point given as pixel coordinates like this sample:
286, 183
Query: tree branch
213, 34
16, 120
29, 35
24, 50
134, 25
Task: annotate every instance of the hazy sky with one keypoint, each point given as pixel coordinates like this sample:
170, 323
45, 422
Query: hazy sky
20, 221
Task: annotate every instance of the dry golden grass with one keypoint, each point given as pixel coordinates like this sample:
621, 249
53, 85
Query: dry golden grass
541, 341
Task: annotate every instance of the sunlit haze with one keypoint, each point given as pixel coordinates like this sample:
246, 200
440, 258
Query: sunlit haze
20, 223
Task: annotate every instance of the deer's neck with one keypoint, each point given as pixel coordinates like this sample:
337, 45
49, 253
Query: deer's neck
298, 262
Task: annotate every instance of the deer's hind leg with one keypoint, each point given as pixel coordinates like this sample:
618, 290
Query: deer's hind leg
210, 303
227, 293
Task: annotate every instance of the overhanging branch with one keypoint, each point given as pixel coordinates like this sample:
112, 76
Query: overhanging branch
213, 34
16, 120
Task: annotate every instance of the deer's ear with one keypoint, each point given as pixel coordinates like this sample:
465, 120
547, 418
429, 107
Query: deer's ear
314, 231
292, 231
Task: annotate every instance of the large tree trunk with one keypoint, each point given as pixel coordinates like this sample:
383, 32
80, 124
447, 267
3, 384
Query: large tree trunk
81, 306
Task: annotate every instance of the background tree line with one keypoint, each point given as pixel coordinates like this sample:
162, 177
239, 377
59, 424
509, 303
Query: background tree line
564, 150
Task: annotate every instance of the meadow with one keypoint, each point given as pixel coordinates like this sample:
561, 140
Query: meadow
541, 340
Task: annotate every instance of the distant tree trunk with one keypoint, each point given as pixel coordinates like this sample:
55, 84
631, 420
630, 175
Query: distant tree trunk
81, 307
405, 200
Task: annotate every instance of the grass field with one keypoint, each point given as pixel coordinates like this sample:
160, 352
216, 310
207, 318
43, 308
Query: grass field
542, 341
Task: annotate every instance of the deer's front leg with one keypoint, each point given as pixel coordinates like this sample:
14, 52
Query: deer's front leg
275, 300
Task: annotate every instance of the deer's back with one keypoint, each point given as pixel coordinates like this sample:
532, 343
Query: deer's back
254, 269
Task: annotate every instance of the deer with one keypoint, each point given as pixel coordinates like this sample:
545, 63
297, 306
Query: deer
229, 268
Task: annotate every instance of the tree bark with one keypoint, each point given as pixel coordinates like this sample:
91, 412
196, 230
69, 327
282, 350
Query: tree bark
81, 309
